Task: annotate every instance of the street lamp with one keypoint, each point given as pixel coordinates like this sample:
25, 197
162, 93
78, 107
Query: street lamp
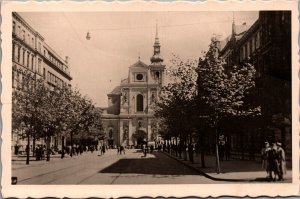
88, 36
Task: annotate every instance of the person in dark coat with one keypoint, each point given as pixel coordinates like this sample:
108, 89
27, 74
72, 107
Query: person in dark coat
16, 149
103, 149
273, 162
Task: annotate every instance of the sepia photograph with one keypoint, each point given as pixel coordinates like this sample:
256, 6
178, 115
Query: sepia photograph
151, 98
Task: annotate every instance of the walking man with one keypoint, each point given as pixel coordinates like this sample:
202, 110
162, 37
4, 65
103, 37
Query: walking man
281, 161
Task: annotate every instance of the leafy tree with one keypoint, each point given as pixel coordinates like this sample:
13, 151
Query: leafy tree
222, 91
28, 111
43, 111
175, 107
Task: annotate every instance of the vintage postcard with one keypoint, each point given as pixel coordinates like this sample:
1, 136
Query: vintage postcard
111, 99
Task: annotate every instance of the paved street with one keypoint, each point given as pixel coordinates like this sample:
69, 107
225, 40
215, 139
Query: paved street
91, 168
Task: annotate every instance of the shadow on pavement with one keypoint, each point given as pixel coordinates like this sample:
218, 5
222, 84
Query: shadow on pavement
156, 164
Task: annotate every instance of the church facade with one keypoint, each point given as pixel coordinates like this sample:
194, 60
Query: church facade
128, 120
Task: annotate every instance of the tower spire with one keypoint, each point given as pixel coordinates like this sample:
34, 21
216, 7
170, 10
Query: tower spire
156, 35
233, 24
156, 55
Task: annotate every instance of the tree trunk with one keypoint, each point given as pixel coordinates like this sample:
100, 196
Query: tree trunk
27, 148
283, 141
62, 147
180, 146
185, 145
190, 149
71, 140
33, 145
202, 149
217, 152
48, 148
242, 145
176, 147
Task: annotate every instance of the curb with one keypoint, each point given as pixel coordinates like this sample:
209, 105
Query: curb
205, 174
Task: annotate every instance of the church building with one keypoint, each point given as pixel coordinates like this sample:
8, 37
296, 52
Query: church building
128, 120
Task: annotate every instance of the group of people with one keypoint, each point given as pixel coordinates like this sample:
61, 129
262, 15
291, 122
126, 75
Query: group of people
146, 149
40, 151
273, 160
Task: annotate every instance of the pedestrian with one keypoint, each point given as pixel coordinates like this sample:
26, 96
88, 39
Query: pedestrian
103, 149
144, 150
227, 149
273, 162
281, 161
118, 149
44, 152
16, 149
264, 157
37, 153
122, 149
222, 147
151, 149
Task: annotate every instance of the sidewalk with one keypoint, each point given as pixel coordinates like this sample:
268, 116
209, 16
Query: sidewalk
19, 162
231, 170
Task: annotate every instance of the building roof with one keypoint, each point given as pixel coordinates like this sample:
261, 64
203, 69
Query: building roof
115, 91
250, 31
241, 29
124, 81
140, 64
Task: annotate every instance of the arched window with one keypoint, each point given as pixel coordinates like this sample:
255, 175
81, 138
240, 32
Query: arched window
139, 102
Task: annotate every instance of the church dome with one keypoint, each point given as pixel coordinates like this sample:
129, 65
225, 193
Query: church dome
156, 58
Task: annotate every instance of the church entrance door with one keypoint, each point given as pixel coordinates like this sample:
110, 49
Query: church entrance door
141, 137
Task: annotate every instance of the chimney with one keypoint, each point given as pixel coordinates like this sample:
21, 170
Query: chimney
67, 59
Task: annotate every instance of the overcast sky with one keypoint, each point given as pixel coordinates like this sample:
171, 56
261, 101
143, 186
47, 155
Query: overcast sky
117, 39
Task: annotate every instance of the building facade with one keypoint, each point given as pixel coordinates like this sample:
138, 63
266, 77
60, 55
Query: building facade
266, 45
34, 58
128, 120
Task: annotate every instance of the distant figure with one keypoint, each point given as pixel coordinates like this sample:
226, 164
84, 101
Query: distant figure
16, 149
144, 150
122, 150
151, 149
281, 161
119, 148
264, 157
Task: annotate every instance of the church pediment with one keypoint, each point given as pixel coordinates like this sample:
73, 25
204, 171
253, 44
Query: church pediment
139, 64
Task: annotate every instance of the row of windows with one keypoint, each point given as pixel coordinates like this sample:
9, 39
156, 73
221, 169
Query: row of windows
23, 57
57, 63
25, 36
55, 80
250, 46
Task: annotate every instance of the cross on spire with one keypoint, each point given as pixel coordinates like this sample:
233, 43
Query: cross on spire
156, 36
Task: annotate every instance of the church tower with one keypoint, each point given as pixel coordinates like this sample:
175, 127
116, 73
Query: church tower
157, 67
130, 116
